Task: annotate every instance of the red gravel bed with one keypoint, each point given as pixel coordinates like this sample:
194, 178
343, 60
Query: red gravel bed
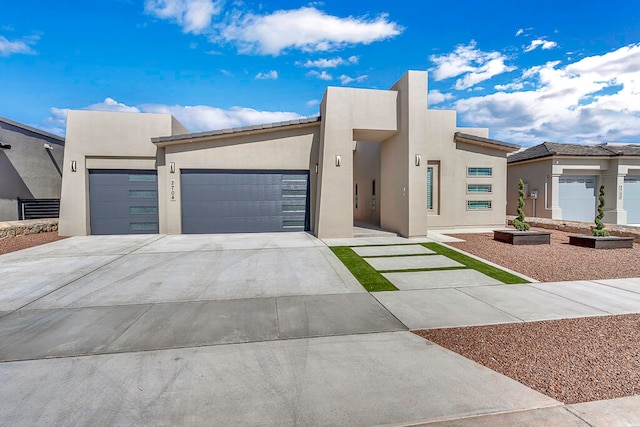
572, 360
12, 244
556, 262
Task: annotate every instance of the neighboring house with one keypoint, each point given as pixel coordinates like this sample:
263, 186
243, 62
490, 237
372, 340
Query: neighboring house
566, 179
30, 168
374, 156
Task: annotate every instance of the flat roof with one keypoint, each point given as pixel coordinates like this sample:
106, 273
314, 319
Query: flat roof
238, 130
550, 149
31, 129
485, 142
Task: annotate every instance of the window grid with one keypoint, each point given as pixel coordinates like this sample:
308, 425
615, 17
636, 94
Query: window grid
476, 205
480, 171
479, 188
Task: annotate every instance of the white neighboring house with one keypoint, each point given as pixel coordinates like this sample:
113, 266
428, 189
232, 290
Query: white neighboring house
562, 181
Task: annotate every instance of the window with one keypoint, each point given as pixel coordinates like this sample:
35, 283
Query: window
143, 226
433, 187
143, 210
477, 205
139, 177
479, 188
143, 194
479, 171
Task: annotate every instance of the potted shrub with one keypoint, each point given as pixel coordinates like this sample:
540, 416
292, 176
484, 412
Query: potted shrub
522, 235
600, 238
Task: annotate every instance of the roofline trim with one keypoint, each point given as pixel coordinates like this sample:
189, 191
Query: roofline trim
31, 129
164, 141
485, 142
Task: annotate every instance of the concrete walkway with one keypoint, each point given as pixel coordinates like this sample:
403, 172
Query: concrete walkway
263, 329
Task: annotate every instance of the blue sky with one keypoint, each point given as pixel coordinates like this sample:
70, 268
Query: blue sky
564, 71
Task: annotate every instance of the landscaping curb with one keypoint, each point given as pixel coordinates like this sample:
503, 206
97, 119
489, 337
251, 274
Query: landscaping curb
581, 227
32, 226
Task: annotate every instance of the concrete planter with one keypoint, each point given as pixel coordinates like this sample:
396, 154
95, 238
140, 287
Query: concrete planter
516, 237
611, 242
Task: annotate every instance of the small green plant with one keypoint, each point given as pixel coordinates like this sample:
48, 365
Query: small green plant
599, 230
519, 222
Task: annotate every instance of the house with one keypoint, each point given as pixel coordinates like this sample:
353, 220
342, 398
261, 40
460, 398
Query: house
30, 171
374, 156
562, 181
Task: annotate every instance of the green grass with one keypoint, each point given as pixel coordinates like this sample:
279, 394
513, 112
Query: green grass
496, 273
368, 277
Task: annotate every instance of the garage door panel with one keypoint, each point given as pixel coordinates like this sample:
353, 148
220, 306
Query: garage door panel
123, 202
244, 201
632, 199
577, 197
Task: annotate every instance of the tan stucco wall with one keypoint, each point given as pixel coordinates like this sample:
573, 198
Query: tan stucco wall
104, 140
537, 177
284, 149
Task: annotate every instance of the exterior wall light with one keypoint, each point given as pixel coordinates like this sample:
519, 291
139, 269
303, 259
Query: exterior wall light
172, 167
74, 165
418, 159
316, 168
338, 161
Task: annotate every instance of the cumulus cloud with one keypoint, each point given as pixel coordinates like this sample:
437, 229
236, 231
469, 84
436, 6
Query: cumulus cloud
307, 29
196, 118
194, 16
510, 86
320, 75
472, 64
437, 97
543, 44
330, 62
595, 99
313, 102
271, 75
345, 80
8, 47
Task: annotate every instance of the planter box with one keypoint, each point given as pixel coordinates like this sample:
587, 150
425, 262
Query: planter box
516, 237
611, 242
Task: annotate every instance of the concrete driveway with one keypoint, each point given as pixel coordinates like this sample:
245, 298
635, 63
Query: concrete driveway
250, 329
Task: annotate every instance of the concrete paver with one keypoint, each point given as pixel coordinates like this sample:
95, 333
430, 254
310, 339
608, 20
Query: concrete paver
440, 308
326, 315
631, 285
529, 303
606, 298
36, 334
624, 411
364, 251
439, 279
371, 379
412, 262
556, 416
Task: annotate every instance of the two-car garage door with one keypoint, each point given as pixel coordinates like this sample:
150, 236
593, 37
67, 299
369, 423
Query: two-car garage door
235, 201
213, 201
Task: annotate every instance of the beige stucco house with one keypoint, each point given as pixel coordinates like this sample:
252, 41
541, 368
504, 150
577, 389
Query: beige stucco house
562, 181
372, 156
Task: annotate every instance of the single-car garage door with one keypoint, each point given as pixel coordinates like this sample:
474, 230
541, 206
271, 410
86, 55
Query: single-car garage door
224, 201
577, 197
123, 201
632, 199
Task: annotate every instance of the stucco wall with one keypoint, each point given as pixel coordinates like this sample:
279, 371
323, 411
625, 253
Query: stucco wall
104, 140
537, 176
28, 170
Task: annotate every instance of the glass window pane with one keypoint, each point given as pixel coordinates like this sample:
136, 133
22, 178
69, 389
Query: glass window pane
293, 208
479, 171
143, 226
478, 204
291, 223
479, 188
142, 177
430, 187
287, 192
294, 178
143, 194
142, 210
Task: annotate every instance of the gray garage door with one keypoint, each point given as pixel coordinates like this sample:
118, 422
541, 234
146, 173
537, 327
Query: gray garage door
123, 201
223, 201
578, 198
632, 199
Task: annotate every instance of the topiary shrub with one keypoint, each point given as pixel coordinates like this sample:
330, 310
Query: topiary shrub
599, 230
519, 222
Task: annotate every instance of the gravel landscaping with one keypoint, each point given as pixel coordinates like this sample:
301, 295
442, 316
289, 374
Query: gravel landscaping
572, 360
556, 262
12, 244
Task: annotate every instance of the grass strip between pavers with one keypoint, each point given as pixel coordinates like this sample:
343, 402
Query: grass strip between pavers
368, 277
496, 273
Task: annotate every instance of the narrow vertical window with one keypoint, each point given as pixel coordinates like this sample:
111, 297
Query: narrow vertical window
430, 188
373, 195
433, 187
356, 196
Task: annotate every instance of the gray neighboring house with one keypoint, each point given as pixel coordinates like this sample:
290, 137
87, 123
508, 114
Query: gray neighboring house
562, 181
30, 171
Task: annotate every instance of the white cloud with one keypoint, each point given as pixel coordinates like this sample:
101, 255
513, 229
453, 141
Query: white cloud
23, 46
595, 99
476, 65
519, 32
194, 16
345, 80
196, 118
313, 102
510, 86
330, 62
271, 75
543, 44
320, 75
307, 29
437, 97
